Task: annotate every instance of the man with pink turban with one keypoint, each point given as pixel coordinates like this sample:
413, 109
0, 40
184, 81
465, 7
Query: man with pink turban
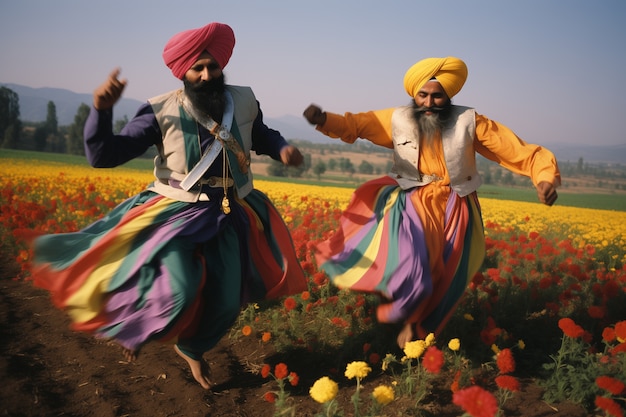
176, 262
415, 236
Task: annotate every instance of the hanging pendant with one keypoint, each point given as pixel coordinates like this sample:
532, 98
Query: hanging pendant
225, 205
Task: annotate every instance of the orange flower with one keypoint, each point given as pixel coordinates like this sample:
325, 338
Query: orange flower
476, 401
290, 303
305, 295
281, 371
246, 330
433, 360
505, 361
270, 397
265, 371
454, 387
266, 337
294, 379
612, 385
507, 382
570, 328
609, 406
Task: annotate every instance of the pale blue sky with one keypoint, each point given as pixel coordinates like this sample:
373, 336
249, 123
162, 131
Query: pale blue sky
552, 70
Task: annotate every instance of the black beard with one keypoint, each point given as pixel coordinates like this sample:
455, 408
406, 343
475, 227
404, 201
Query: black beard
208, 96
430, 125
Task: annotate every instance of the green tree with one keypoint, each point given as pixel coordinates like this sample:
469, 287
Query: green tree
319, 169
10, 124
74, 140
276, 169
366, 168
54, 140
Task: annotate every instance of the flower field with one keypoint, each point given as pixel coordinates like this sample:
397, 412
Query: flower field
549, 302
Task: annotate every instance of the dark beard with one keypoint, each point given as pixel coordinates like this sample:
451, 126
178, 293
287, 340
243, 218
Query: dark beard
208, 96
431, 125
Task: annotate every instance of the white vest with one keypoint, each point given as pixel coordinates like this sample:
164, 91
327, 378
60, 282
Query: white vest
458, 149
171, 163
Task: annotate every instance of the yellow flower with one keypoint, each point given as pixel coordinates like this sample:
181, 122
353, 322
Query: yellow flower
468, 316
414, 349
430, 339
521, 344
358, 369
495, 348
383, 394
454, 344
324, 390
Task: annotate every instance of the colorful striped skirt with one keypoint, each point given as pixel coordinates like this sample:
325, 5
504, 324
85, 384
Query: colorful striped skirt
160, 269
382, 247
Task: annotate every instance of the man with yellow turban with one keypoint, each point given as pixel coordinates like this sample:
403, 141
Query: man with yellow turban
176, 262
416, 236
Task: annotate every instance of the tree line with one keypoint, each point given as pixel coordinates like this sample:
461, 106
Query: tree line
46, 136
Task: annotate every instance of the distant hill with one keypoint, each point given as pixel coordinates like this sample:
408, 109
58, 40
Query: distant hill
34, 108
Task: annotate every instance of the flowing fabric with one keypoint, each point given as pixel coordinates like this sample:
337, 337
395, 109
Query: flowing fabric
417, 248
159, 269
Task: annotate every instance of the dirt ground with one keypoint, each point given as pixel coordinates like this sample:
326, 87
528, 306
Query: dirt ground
48, 370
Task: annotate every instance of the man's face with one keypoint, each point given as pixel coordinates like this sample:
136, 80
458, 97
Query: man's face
205, 68
431, 96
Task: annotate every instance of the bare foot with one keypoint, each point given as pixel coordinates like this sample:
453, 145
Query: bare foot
129, 354
405, 335
199, 369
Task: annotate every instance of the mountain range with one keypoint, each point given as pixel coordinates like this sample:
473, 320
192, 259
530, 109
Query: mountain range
34, 107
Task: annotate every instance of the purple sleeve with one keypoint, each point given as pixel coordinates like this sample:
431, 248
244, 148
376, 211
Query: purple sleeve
266, 141
106, 150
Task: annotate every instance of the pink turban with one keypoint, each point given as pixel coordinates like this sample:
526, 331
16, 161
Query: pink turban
184, 48
451, 73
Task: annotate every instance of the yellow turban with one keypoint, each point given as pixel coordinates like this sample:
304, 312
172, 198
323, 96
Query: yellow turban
451, 73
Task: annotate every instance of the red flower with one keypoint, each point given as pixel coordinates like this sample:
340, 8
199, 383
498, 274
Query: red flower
476, 401
265, 371
608, 334
454, 387
281, 371
620, 331
374, 358
270, 397
621, 348
596, 312
294, 379
609, 406
507, 382
570, 328
505, 361
612, 385
290, 303
433, 360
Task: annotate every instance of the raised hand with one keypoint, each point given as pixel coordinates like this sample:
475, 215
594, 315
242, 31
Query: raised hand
314, 115
107, 94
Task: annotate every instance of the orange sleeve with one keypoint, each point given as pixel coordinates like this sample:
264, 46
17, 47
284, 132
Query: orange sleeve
498, 143
374, 126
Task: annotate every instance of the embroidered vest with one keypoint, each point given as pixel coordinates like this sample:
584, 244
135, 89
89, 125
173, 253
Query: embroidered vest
177, 154
458, 149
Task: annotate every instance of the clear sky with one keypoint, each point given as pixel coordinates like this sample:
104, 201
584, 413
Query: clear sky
552, 70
